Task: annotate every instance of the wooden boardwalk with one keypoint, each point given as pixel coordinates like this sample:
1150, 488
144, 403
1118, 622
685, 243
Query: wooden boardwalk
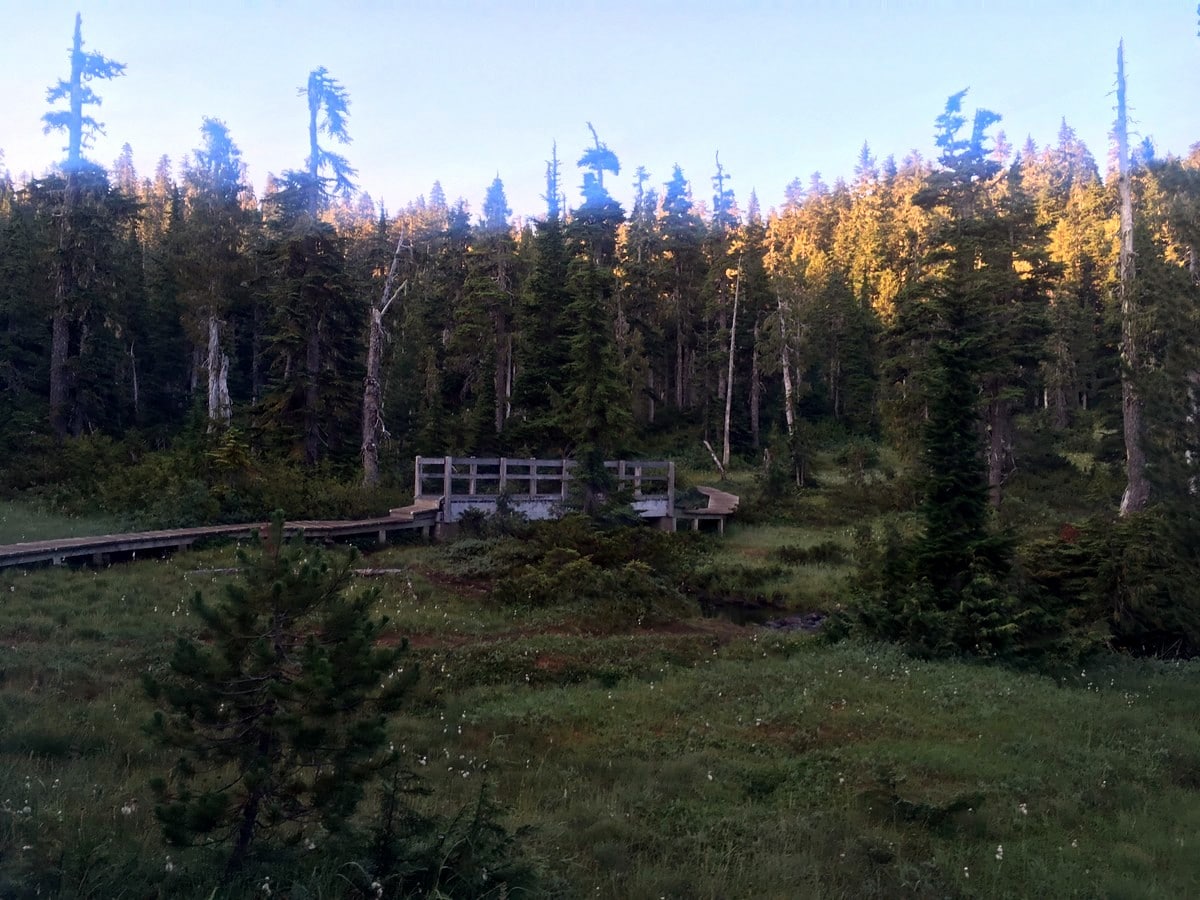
445, 487
720, 506
101, 548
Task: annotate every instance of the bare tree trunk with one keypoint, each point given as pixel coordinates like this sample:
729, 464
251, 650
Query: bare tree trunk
755, 391
510, 378
220, 409
716, 462
789, 399
737, 283
650, 408
789, 405
998, 419
678, 362
60, 337
64, 289
501, 368
312, 393
133, 373
1137, 485
372, 413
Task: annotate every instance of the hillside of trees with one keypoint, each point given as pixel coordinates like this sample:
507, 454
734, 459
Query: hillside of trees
194, 337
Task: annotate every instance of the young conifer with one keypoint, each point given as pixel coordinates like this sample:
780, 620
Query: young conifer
278, 709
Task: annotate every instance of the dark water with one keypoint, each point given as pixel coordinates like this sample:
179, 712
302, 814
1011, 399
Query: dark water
756, 612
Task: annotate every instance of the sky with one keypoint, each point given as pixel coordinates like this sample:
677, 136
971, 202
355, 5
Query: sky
459, 91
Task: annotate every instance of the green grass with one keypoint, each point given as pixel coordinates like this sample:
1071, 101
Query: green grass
696, 759
25, 522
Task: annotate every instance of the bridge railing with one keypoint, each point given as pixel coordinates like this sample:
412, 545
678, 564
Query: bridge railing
486, 478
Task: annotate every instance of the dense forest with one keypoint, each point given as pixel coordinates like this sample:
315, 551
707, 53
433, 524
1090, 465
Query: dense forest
199, 340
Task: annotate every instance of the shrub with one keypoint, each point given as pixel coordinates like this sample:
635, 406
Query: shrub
1136, 580
470, 854
989, 613
617, 575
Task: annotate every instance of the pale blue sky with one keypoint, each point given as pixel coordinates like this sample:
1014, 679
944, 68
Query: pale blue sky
462, 89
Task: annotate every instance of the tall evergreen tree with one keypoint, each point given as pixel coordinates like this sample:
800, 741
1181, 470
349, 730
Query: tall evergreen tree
639, 322
682, 237
328, 112
211, 258
597, 404
543, 349
67, 332
949, 591
489, 294
76, 90
313, 338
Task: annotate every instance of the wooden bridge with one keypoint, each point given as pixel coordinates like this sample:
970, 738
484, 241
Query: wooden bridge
541, 489
445, 488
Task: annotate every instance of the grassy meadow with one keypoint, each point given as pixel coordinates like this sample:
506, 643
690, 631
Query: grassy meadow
28, 522
691, 756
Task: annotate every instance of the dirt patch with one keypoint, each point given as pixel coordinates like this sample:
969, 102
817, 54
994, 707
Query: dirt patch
469, 588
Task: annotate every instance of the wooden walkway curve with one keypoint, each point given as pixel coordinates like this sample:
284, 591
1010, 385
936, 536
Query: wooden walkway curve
721, 505
100, 548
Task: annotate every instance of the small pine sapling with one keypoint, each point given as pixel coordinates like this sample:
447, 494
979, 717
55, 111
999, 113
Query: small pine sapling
278, 710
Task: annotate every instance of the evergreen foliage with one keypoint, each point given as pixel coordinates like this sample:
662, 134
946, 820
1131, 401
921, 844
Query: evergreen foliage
951, 589
278, 714
76, 90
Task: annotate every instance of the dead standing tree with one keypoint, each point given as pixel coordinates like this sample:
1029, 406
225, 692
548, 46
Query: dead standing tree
373, 428
1137, 483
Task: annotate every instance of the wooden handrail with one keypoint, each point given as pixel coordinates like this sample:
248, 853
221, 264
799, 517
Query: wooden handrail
506, 476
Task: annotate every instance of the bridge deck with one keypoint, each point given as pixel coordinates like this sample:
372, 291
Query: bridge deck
720, 506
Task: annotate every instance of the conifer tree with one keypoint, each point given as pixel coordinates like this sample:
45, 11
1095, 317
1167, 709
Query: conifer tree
278, 717
65, 343
639, 323
80, 127
949, 591
543, 351
211, 260
313, 334
681, 245
597, 407
489, 294
328, 111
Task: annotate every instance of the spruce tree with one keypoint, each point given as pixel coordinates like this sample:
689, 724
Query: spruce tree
278, 710
211, 266
950, 591
82, 178
542, 349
